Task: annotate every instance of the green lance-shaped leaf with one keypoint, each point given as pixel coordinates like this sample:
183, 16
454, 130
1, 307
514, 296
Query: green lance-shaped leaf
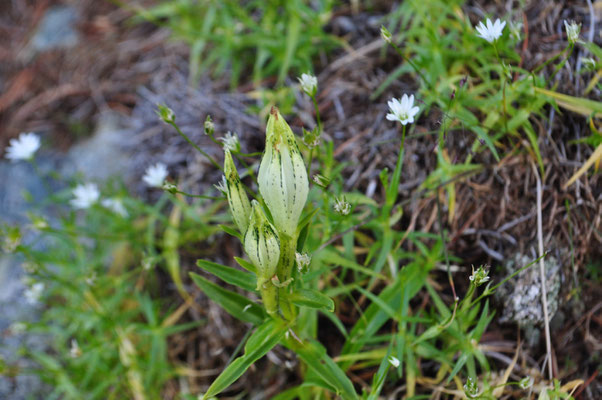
328, 372
282, 177
237, 197
261, 341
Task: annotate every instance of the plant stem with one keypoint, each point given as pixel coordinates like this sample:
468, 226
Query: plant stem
416, 69
288, 246
211, 159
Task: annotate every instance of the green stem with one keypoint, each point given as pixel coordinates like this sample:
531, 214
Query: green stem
269, 296
416, 69
318, 119
561, 64
288, 246
396, 178
197, 196
211, 159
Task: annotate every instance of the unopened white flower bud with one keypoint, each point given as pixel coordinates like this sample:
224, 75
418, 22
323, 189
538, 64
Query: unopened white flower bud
309, 84
209, 126
342, 207
303, 261
166, 114
237, 197
386, 35
282, 177
262, 244
321, 180
394, 361
572, 31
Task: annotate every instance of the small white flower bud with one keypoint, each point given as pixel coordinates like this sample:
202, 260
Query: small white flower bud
526, 382
166, 114
342, 207
74, 351
303, 261
321, 180
262, 244
282, 176
231, 142
237, 197
386, 35
572, 31
480, 276
309, 84
209, 126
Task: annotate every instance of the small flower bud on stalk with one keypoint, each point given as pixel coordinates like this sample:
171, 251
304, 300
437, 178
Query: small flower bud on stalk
237, 197
386, 35
572, 31
309, 84
209, 126
303, 261
321, 180
263, 248
166, 114
282, 177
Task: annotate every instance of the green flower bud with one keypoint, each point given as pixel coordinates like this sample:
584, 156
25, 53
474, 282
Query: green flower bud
165, 114
237, 197
262, 244
282, 177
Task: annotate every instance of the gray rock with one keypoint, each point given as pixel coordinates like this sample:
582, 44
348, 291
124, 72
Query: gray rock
521, 296
18, 178
97, 158
56, 29
102, 155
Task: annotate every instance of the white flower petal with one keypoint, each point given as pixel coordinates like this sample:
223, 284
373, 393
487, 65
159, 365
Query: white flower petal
24, 147
85, 195
155, 175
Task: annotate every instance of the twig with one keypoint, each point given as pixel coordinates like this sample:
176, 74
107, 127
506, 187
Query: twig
543, 274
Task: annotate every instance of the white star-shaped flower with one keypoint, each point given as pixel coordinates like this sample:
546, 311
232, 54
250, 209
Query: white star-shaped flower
155, 175
402, 110
231, 142
309, 84
491, 32
34, 292
85, 195
115, 205
24, 147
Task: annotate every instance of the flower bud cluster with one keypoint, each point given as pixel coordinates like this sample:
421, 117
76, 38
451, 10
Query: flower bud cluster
270, 242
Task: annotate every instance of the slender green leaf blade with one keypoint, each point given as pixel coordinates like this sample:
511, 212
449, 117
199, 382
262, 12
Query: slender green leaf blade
263, 340
235, 304
313, 299
314, 355
230, 275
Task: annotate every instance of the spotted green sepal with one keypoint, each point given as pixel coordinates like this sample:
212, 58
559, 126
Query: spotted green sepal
237, 197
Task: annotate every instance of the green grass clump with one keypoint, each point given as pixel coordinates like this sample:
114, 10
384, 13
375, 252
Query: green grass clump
249, 39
